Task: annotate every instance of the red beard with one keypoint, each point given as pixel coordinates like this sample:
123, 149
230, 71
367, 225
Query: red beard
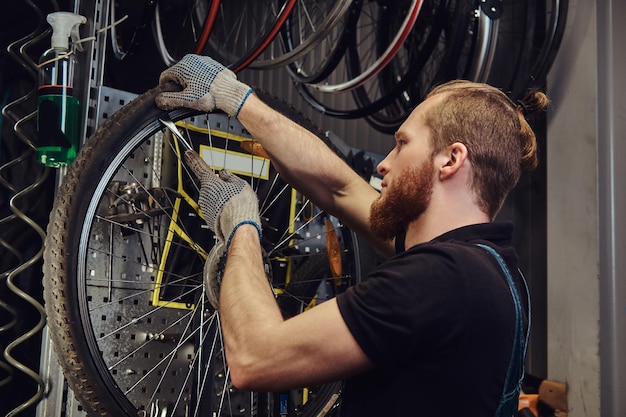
405, 200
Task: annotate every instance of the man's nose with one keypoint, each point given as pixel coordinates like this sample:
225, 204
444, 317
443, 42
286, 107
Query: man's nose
381, 168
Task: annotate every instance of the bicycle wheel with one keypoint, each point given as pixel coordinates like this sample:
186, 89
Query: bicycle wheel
123, 263
439, 54
310, 23
373, 59
379, 92
130, 35
516, 42
318, 64
233, 32
243, 29
549, 20
512, 60
180, 28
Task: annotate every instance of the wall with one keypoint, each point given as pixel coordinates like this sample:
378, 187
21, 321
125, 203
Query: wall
586, 210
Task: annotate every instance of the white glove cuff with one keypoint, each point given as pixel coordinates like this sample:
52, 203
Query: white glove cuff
229, 93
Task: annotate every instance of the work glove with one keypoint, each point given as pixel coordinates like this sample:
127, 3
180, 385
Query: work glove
226, 201
206, 84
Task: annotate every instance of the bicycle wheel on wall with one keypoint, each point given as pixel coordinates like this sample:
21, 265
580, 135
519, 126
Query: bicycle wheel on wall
438, 55
123, 268
396, 82
373, 59
233, 32
318, 64
548, 23
243, 29
182, 27
311, 23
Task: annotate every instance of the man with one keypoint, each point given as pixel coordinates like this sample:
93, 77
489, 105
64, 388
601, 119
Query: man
440, 329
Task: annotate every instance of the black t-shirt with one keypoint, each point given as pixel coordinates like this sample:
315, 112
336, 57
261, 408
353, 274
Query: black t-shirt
438, 321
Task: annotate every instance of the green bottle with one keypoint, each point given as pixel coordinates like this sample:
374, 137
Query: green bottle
58, 107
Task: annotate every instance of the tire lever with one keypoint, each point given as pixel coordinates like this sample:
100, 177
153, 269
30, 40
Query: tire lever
172, 127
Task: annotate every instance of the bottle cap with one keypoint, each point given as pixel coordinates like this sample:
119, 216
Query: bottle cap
64, 25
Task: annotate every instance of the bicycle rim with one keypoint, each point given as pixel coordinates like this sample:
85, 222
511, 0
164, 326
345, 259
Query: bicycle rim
243, 29
372, 59
486, 36
444, 56
311, 23
396, 83
123, 268
550, 18
179, 26
318, 64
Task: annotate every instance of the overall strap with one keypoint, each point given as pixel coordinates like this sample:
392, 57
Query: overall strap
515, 374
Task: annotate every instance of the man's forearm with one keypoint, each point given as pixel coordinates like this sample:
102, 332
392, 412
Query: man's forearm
301, 157
311, 167
265, 352
248, 308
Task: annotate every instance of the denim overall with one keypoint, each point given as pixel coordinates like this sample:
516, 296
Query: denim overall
509, 399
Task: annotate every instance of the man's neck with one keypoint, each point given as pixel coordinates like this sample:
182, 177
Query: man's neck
434, 222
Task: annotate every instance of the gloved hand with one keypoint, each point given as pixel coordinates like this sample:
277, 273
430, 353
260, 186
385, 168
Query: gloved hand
213, 273
226, 201
207, 85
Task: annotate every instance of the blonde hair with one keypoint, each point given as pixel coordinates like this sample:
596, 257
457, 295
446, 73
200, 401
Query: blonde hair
494, 129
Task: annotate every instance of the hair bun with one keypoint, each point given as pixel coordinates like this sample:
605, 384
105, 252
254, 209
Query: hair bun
533, 101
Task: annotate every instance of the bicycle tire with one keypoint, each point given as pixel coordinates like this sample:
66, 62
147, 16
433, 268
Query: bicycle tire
234, 33
372, 64
524, 60
309, 24
243, 30
549, 19
316, 66
443, 58
184, 28
114, 310
382, 90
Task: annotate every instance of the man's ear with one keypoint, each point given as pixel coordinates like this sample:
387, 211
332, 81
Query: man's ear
451, 160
